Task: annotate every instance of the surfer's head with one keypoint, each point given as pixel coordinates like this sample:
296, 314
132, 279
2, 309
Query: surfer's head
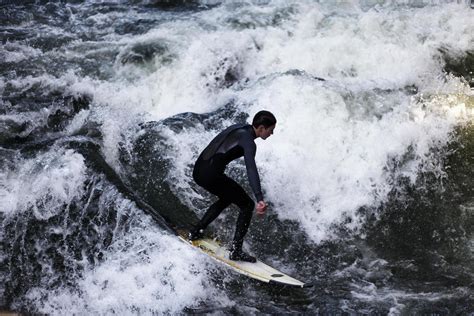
264, 123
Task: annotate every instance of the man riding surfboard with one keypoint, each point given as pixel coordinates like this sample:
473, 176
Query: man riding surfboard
232, 143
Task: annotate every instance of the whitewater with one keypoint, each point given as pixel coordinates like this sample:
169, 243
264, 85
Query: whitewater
105, 107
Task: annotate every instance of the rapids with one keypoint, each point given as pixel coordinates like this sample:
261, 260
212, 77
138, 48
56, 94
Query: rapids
104, 107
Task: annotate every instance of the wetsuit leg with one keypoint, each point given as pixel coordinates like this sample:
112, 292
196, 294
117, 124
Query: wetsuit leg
212, 213
246, 206
228, 192
205, 175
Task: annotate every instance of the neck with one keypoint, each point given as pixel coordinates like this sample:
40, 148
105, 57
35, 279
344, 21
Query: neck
255, 132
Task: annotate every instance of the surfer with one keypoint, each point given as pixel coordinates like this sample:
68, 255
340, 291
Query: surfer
232, 143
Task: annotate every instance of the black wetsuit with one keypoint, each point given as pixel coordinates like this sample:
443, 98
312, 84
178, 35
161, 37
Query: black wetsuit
232, 143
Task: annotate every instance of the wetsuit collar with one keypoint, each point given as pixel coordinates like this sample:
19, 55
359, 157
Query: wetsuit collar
252, 131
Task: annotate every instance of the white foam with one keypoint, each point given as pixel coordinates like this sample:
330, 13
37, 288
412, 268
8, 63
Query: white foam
321, 165
14, 52
43, 184
329, 155
145, 272
325, 162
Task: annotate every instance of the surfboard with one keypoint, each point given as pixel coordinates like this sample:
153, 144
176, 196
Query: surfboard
258, 270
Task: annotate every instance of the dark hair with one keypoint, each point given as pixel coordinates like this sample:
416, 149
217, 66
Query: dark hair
264, 118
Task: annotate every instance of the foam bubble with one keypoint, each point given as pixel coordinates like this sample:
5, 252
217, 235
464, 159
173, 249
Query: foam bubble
145, 272
14, 52
44, 184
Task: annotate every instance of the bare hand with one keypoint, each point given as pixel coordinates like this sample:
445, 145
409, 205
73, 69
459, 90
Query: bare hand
261, 208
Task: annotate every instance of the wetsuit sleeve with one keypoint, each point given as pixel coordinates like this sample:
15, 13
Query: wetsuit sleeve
249, 155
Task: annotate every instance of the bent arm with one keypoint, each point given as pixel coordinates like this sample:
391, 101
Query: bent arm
249, 155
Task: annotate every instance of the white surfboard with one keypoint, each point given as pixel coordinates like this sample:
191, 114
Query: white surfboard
258, 270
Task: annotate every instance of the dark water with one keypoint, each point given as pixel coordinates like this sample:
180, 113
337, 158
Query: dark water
105, 106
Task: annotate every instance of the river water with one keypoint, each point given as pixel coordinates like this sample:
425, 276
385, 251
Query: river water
370, 172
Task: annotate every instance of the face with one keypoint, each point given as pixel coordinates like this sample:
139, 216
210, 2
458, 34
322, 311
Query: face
266, 132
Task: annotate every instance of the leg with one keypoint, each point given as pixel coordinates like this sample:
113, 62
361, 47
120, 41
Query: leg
217, 185
228, 192
238, 196
212, 213
246, 205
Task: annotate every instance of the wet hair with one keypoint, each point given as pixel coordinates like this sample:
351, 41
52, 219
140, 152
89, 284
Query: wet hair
264, 118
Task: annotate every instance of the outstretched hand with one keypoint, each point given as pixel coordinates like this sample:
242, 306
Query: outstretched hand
261, 208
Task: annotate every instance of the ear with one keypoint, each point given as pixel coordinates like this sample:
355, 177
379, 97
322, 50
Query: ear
260, 129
